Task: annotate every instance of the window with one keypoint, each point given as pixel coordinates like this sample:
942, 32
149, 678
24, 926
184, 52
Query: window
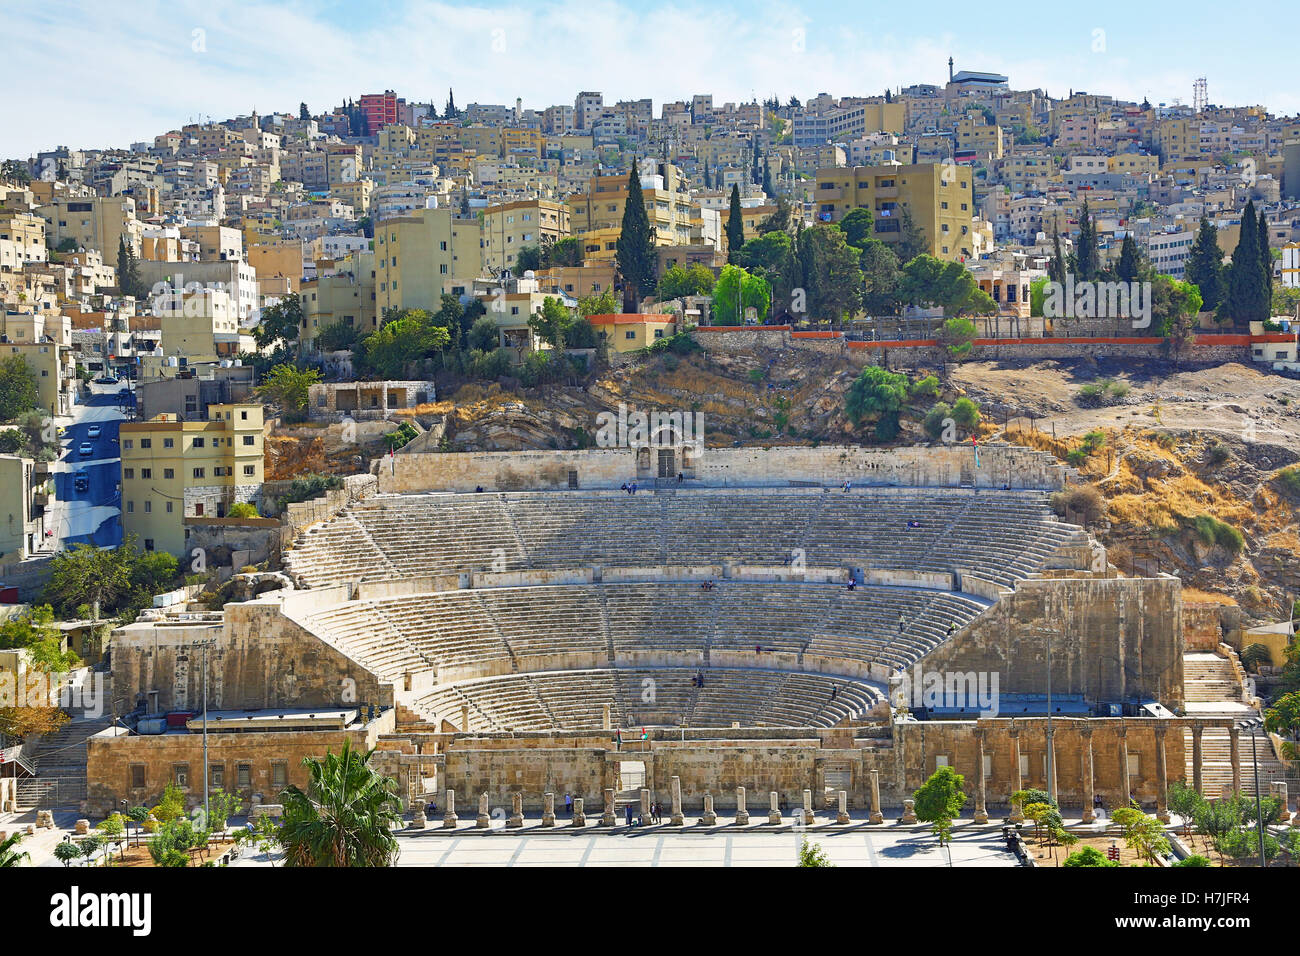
130, 507
249, 440
169, 472
243, 776
169, 507
199, 442
148, 507
201, 473
128, 473
146, 442
279, 774
148, 542
146, 472
168, 442
128, 444
250, 471
198, 509
181, 775
216, 776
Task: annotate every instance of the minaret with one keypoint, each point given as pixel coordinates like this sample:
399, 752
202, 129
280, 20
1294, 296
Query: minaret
949, 69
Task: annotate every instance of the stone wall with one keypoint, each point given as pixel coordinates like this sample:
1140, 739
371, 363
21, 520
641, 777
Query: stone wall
261, 659
110, 759
826, 465
1112, 640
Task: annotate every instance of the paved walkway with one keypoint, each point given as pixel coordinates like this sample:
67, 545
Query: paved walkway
857, 844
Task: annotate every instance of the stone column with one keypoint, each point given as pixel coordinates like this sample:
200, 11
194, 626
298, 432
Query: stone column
548, 810
419, 821
449, 818
1234, 749
579, 818
464, 718
1279, 791
645, 804
843, 815
774, 810
709, 818
516, 811
1162, 782
1089, 790
807, 808
1198, 758
604, 717
742, 811
981, 794
876, 815
484, 820
677, 820
1017, 812
1126, 784
909, 812
607, 814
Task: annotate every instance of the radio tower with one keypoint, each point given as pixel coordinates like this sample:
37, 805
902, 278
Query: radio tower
1199, 98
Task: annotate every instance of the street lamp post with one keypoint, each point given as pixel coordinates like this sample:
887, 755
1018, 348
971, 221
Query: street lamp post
205, 644
1252, 724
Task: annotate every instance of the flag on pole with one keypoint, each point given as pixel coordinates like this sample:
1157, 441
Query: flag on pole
975, 445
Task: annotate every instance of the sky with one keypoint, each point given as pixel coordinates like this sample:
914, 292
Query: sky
86, 73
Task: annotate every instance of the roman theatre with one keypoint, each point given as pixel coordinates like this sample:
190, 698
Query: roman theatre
515, 624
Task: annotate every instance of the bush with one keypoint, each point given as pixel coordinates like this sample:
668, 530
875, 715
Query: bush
1289, 480
1082, 500
1217, 453
309, 486
1107, 391
1194, 860
927, 387
242, 509
936, 419
1088, 856
1212, 531
965, 413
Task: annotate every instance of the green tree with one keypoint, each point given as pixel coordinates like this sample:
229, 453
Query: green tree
880, 279
635, 253
1056, 265
1283, 719
772, 256
398, 347
737, 290
929, 281
1205, 265
1130, 263
337, 337
1247, 295
811, 854
128, 272
602, 304
939, 800
957, 336
9, 854
484, 335
552, 323
832, 276
936, 419
877, 396
15, 171
529, 259
565, 252
344, 817
287, 386
857, 227
86, 574
1087, 256
1143, 834
279, 323
679, 281
65, 852
912, 241
18, 388
965, 413
735, 227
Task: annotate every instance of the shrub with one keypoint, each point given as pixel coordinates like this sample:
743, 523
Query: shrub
1289, 480
309, 486
1212, 531
1107, 391
966, 413
1082, 500
1194, 860
927, 387
935, 419
242, 509
1088, 856
1217, 453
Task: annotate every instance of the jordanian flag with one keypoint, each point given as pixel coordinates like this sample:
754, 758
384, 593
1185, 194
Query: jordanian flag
975, 445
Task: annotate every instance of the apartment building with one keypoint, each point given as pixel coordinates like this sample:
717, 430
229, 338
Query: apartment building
44, 341
423, 254
346, 296
508, 227
91, 222
25, 490
668, 204
201, 325
173, 470
940, 199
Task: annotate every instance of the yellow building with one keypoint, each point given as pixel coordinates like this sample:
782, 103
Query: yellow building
668, 205
627, 333
347, 296
940, 199
95, 222
421, 255
173, 470
508, 227
45, 343
24, 492
974, 132
201, 325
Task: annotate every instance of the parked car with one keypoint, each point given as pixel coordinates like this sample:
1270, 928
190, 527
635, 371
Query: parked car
86, 449
92, 432
81, 481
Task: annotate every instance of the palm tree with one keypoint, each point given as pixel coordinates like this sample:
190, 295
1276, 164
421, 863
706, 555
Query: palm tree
345, 816
10, 856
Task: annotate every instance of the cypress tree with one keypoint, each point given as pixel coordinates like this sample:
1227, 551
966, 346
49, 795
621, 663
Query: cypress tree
1056, 266
1087, 258
1205, 265
735, 226
1247, 297
1266, 264
1128, 260
635, 253
767, 179
708, 179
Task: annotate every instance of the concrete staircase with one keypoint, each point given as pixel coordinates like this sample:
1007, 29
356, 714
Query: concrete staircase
60, 762
1211, 691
